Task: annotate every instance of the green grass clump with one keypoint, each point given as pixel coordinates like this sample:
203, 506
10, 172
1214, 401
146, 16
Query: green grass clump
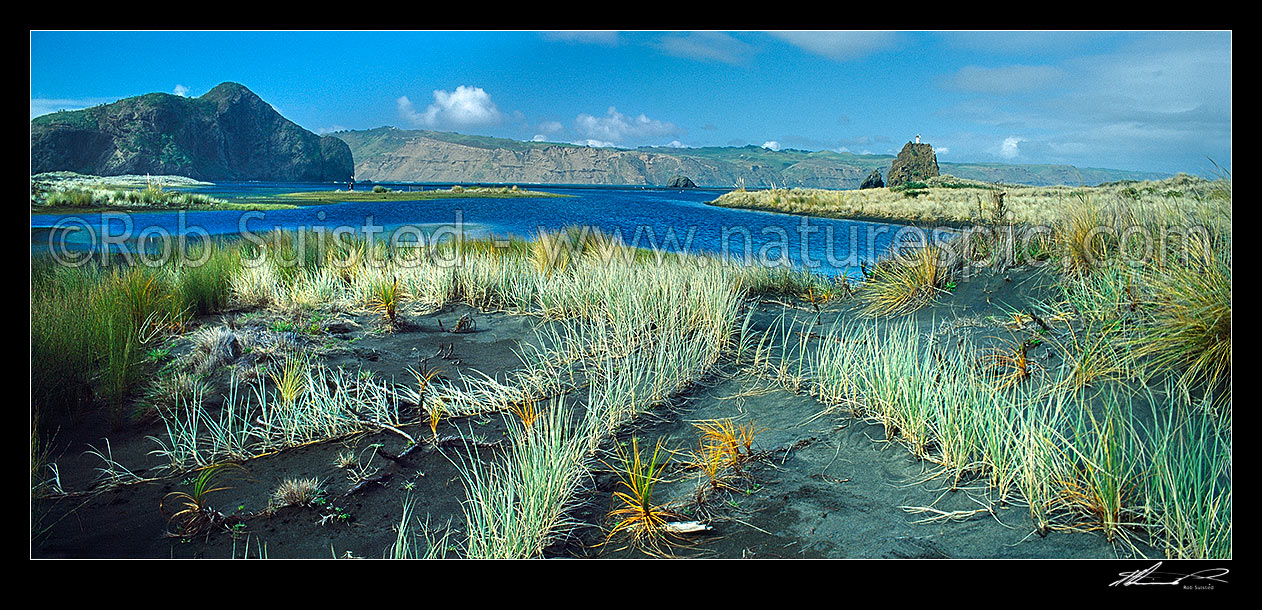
1105, 465
153, 196
195, 515
72, 198
903, 284
515, 507
204, 282
1189, 484
385, 300
91, 327
1186, 321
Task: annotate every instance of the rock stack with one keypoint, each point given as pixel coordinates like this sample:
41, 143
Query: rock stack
873, 181
681, 182
916, 162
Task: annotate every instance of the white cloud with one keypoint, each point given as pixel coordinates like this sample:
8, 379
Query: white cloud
771, 145
618, 127
595, 143
677, 144
840, 46
180, 90
706, 46
466, 106
941, 150
1010, 149
407, 110
539, 138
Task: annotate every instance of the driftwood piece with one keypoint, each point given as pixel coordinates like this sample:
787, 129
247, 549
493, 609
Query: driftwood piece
686, 527
360, 486
460, 441
1040, 322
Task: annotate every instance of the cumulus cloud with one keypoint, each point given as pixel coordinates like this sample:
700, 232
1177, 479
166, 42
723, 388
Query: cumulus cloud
771, 145
840, 46
180, 90
677, 144
1010, 149
595, 143
467, 106
1004, 79
618, 127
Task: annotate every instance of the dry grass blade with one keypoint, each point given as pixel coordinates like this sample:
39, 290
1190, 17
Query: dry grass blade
290, 381
730, 443
1008, 365
526, 411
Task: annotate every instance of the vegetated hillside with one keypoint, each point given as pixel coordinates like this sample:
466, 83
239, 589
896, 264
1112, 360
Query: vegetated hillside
227, 134
387, 154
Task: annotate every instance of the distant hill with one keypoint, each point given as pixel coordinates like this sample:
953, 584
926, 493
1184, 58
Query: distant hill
387, 154
227, 134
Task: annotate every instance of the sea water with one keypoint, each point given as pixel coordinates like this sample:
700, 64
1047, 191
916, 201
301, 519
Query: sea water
670, 220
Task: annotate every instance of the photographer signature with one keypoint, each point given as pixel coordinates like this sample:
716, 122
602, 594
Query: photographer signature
1151, 576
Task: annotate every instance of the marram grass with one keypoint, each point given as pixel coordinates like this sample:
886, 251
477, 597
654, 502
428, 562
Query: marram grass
903, 284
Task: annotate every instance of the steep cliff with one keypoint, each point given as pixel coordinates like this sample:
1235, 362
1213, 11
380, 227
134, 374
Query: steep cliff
387, 154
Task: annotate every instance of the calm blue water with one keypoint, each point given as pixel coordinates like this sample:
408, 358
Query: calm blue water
673, 220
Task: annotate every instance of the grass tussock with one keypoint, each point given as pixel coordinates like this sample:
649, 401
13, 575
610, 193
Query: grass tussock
191, 513
296, 492
635, 514
516, 506
1186, 323
151, 197
904, 284
1076, 457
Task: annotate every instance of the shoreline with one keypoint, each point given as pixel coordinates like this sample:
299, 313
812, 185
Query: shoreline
917, 223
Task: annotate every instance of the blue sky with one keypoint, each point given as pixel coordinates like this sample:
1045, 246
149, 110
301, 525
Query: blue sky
1153, 101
